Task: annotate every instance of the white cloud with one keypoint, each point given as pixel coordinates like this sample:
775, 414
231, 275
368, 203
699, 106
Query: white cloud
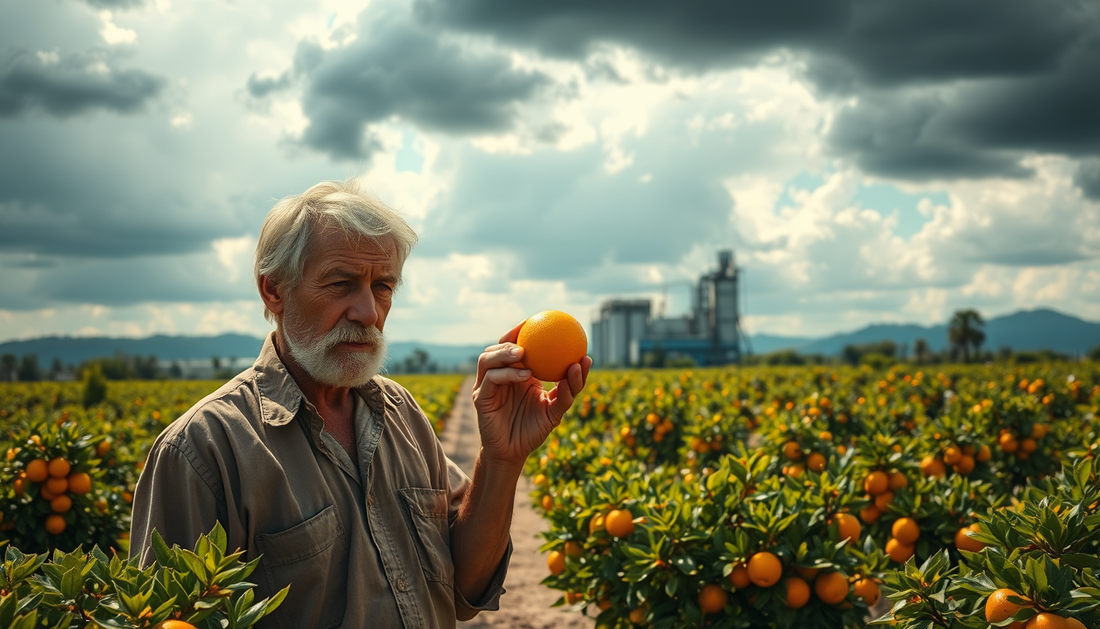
113, 34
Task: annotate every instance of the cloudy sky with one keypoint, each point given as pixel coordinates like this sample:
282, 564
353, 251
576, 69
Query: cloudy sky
867, 161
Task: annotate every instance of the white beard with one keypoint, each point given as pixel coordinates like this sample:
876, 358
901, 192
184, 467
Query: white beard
346, 369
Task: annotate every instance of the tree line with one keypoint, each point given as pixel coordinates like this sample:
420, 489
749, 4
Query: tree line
965, 340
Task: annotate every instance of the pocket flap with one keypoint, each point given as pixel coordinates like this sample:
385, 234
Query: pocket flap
300, 541
426, 502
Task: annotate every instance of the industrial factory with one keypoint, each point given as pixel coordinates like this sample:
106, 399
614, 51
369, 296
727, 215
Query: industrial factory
625, 330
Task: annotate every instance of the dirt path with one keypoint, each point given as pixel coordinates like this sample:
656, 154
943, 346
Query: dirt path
526, 604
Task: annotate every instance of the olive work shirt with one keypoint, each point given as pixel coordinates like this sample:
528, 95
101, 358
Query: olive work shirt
365, 545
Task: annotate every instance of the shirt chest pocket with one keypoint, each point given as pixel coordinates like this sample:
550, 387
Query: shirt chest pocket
304, 557
431, 532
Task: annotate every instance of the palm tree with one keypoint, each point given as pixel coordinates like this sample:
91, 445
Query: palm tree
964, 331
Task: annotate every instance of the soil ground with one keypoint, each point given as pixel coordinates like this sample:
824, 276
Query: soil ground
526, 604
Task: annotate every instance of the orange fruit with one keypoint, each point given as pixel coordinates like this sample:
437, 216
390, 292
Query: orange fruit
712, 599
1038, 431
792, 450
765, 569
899, 552
831, 587
37, 471
998, 608
1029, 445
739, 577
548, 502
868, 590
884, 500
847, 527
931, 466
556, 562
55, 524
869, 514
1008, 443
798, 593
540, 479
876, 482
57, 485
951, 455
1046, 620
637, 615
80, 483
965, 465
59, 467
1073, 623
984, 454
596, 523
619, 523
103, 447
965, 542
898, 480
572, 598
573, 549
174, 624
906, 531
807, 573
61, 504
816, 462
552, 341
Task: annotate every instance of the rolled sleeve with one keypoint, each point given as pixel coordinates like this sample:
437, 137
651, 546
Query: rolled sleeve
490, 601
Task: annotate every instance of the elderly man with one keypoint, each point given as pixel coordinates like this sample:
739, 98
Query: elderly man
331, 472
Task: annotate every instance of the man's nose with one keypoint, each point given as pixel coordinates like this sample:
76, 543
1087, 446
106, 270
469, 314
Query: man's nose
364, 309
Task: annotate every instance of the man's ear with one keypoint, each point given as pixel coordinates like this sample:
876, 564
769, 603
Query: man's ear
272, 294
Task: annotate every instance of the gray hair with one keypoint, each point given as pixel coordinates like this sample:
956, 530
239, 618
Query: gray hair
282, 248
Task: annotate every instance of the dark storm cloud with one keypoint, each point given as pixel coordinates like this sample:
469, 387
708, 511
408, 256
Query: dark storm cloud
71, 84
900, 136
1087, 178
396, 68
1023, 75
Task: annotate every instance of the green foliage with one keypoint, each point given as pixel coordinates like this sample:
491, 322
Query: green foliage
1044, 551
206, 587
95, 386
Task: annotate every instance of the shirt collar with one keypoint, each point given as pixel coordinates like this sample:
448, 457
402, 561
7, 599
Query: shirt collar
281, 397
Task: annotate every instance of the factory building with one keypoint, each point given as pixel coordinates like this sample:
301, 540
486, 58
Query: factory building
626, 330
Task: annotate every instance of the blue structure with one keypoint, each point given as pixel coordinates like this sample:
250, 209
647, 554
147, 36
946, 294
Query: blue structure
626, 330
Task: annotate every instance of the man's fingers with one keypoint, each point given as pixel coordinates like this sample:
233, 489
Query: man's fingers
507, 375
511, 335
575, 379
561, 398
503, 355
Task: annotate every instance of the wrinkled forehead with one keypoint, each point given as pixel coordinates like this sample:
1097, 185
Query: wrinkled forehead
329, 243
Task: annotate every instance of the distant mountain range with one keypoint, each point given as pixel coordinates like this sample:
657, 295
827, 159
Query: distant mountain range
75, 350
1024, 330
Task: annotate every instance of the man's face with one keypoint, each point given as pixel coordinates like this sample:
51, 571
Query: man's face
333, 319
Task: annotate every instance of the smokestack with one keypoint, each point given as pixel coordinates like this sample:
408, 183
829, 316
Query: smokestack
725, 261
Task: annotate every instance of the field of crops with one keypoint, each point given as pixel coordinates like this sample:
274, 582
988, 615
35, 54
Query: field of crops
792, 497
771, 497
67, 480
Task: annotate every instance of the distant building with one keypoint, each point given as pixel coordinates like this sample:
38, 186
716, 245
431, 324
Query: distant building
626, 330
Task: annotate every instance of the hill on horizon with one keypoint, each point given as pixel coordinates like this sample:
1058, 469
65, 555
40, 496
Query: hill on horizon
1021, 331
1025, 330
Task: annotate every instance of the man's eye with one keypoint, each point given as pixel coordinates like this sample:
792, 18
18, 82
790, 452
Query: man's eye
341, 284
384, 288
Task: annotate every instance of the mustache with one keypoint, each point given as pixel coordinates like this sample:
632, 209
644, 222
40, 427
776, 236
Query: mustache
352, 334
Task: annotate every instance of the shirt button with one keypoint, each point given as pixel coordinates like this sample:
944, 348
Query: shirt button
402, 585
